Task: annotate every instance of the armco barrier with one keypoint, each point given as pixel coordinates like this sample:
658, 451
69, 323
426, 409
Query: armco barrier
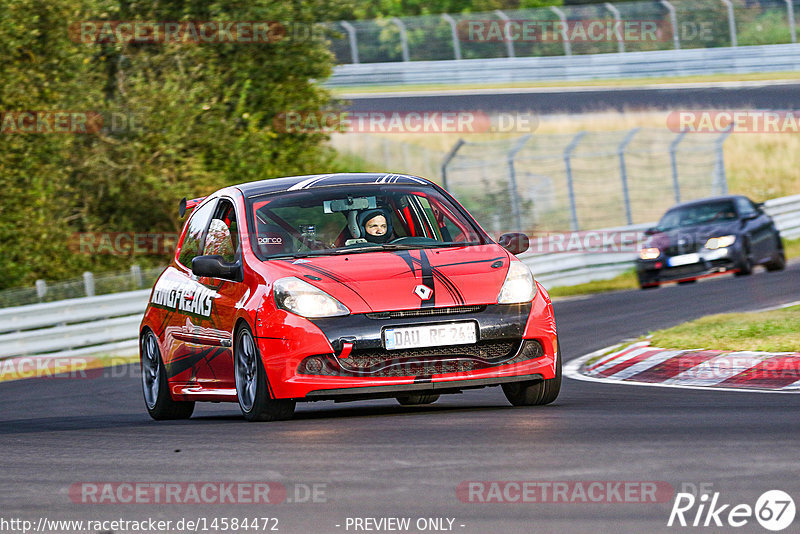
110, 324
662, 63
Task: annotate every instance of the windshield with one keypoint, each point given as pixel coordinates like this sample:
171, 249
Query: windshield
698, 214
348, 220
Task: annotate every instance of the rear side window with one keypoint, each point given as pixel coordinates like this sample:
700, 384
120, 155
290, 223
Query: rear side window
194, 233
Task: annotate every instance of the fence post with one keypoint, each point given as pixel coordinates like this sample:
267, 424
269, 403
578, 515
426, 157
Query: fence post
623, 173
792, 26
512, 180
403, 38
618, 18
720, 177
570, 185
448, 157
454, 32
509, 43
351, 35
673, 158
88, 283
386, 155
41, 289
136, 274
731, 22
564, 36
673, 19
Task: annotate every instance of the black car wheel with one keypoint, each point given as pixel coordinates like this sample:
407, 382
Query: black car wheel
535, 393
745, 264
157, 398
251, 383
778, 263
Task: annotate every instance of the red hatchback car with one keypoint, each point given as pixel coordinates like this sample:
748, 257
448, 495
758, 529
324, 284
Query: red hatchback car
342, 287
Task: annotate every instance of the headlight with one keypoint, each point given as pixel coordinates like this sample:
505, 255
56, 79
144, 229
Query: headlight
720, 242
518, 286
297, 296
649, 253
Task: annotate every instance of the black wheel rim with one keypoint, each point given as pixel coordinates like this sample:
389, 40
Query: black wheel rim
246, 376
151, 370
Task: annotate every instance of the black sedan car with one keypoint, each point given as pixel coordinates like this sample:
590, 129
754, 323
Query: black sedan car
707, 237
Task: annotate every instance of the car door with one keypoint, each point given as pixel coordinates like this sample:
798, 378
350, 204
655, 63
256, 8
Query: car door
758, 226
211, 330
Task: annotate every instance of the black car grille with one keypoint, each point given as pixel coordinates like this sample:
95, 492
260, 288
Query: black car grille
427, 312
424, 361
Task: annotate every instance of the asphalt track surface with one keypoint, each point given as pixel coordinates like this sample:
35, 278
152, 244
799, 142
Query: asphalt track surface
777, 96
378, 459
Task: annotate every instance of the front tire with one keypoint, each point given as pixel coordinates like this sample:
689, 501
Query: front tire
157, 399
417, 399
251, 383
535, 393
746, 263
778, 262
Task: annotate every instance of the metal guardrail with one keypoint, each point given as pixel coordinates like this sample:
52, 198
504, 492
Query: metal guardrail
110, 323
700, 61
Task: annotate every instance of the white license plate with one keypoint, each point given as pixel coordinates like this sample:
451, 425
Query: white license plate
435, 335
685, 259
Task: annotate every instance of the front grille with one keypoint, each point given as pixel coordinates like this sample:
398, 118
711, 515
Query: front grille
427, 312
425, 361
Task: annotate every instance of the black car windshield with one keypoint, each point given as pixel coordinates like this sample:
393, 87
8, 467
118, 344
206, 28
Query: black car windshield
698, 214
356, 219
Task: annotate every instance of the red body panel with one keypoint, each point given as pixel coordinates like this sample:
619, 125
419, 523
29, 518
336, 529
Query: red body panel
194, 319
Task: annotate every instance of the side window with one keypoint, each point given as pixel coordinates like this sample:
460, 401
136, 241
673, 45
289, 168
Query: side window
222, 237
194, 233
745, 207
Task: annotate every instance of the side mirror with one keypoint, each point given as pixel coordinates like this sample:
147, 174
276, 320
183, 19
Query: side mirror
214, 266
515, 243
651, 231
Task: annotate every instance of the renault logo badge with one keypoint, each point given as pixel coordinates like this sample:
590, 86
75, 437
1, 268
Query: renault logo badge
423, 292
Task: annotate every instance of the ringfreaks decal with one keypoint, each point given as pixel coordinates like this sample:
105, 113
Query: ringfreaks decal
185, 297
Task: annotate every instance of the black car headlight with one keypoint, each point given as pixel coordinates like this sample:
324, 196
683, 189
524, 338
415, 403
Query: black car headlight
720, 242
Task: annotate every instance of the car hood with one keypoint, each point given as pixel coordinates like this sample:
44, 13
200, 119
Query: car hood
388, 280
692, 237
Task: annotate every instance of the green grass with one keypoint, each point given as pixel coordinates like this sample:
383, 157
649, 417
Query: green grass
772, 331
626, 280
763, 76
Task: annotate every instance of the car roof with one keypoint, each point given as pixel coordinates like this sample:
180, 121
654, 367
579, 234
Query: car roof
707, 200
314, 181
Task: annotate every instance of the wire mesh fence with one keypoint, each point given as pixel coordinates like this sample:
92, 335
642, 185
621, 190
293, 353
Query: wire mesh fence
561, 182
567, 30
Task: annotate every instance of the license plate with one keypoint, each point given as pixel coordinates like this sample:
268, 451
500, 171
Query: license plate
435, 335
685, 259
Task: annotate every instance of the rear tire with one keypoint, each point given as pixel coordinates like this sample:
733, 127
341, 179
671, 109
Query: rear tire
535, 393
417, 399
647, 286
251, 383
686, 282
155, 386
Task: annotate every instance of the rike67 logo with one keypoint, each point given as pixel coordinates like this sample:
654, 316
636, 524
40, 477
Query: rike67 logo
774, 510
